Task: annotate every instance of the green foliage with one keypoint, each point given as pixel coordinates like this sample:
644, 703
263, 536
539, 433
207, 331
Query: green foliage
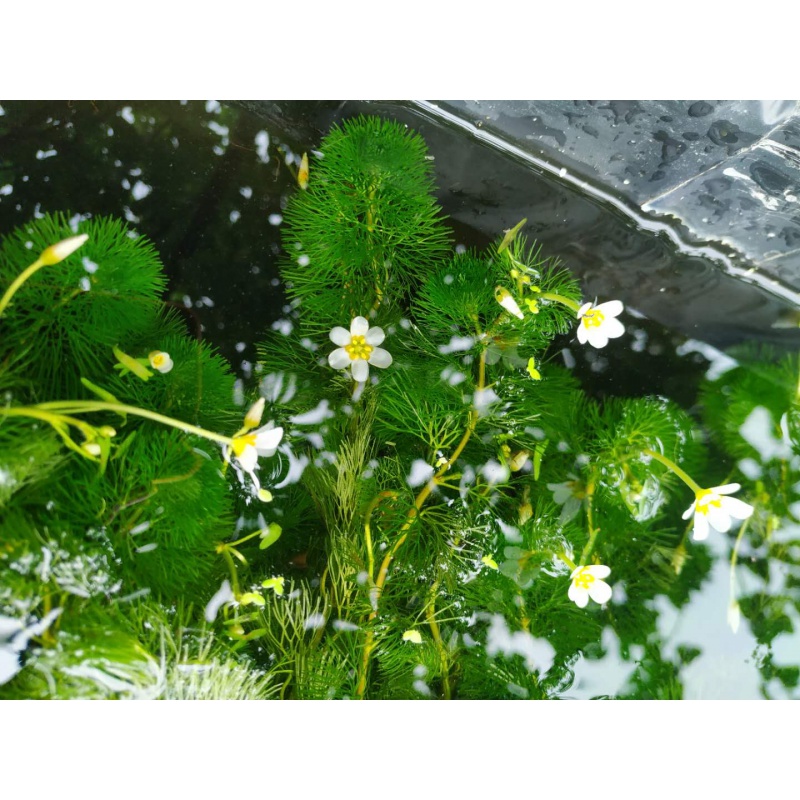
367, 229
430, 518
64, 321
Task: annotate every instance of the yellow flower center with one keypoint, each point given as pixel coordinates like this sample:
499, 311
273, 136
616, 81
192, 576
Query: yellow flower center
241, 442
158, 360
584, 579
703, 502
358, 348
593, 318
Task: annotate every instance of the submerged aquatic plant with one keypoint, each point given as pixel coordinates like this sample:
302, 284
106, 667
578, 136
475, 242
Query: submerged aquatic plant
416, 535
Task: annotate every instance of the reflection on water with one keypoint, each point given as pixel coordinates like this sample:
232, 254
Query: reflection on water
209, 185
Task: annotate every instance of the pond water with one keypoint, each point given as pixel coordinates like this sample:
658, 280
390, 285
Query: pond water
208, 183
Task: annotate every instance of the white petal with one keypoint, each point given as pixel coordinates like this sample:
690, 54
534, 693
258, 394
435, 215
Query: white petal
718, 519
380, 358
600, 592
248, 458
613, 328
339, 359
599, 570
578, 596
583, 309
728, 488
360, 370
267, 440
597, 337
340, 336
738, 509
700, 531
689, 511
613, 308
583, 333
375, 336
359, 326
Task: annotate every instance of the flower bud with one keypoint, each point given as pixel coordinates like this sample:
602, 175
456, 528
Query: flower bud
59, 251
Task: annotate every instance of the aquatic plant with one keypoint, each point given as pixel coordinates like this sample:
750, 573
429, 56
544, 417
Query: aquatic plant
434, 527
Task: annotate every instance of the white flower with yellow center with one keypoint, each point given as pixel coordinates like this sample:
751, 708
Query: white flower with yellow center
358, 348
711, 507
587, 582
598, 324
248, 444
160, 361
247, 447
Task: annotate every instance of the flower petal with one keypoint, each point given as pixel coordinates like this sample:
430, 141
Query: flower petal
599, 570
339, 359
613, 328
375, 336
738, 509
267, 440
728, 488
583, 309
689, 511
700, 530
600, 592
248, 458
718, 519
612, 308
583, 333
380, 358
578, 596
340, 336
597, 337
360, 370
359, 326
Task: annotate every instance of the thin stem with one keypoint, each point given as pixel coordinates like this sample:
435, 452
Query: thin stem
559, 298
673, 467
430, 615
19, 280
413, 512
587, 550
567, 560
85, 406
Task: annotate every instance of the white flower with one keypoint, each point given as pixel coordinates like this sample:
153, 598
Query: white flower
358, 349
570, 495
710, 507
586, 583
598, 324
160, 361
262, 442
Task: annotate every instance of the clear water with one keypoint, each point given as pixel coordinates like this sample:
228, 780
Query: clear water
208, 184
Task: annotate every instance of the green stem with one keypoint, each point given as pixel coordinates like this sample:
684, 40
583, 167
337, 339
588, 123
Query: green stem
673, 467
567, 560
85, 406
19, 280
587, 550
559, 298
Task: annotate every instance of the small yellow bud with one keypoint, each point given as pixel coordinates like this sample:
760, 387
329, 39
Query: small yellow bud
519, 460
92, 448
56, 253
252, 419
107, 431
302, 174
532, 371
412, 636
265, 495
